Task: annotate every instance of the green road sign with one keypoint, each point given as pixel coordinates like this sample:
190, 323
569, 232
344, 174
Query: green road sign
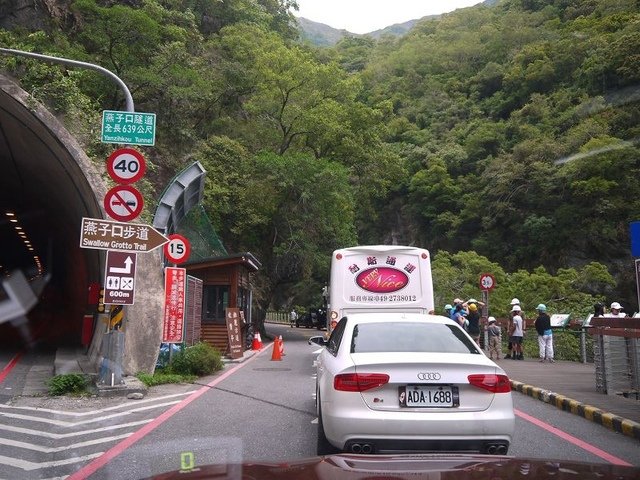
130, 128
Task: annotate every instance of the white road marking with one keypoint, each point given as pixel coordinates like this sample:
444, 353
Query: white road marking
56, 436
93, 412
62, 423
25, 465
50, 478
38, 448
314, 421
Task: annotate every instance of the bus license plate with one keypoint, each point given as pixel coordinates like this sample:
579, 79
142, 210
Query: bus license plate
442, 396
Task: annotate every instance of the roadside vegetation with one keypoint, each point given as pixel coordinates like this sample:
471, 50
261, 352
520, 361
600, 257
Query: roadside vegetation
74, 384
504, 132
186, 366
566, 345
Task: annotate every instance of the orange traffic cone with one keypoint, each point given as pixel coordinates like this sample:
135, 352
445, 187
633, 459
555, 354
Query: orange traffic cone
256, 344
259, 340
276, 355
281, 347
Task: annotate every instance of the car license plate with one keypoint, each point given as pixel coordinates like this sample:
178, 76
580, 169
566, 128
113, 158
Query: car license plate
430, 396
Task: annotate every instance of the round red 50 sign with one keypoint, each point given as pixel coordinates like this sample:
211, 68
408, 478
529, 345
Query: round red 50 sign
178, 248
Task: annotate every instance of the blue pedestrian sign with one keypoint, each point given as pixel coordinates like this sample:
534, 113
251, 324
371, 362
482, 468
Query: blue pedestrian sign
129, 128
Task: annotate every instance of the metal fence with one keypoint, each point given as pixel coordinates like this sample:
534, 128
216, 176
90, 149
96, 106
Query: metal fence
277, 317
617, 356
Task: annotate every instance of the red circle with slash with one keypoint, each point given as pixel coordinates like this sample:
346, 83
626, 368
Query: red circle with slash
123, 202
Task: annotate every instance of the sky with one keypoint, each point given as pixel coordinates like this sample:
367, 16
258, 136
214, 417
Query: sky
364, 16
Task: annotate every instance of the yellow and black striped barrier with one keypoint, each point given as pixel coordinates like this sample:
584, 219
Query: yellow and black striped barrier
609, 420
116, 315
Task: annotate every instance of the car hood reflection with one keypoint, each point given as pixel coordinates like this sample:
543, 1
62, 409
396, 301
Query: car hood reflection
422, 466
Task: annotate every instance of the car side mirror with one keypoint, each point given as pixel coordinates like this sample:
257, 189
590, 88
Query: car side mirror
319, 340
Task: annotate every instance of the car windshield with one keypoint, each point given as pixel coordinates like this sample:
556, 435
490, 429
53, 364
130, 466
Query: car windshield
410, 337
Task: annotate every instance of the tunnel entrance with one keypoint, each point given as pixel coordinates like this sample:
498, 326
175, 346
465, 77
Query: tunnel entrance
46, 189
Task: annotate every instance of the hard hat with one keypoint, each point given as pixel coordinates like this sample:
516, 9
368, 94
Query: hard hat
472, 300
515, 301
448, 306
516, 308
492, 319
473, 307
616, 305
541, 308
457, 300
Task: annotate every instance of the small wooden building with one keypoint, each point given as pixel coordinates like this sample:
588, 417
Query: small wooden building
226, 284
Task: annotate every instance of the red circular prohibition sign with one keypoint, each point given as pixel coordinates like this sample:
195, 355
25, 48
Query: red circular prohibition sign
123, 203
126, 165
177, 249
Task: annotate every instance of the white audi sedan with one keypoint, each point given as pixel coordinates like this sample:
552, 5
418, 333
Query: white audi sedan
390, 382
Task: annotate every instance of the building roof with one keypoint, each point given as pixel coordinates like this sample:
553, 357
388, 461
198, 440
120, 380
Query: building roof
247, 259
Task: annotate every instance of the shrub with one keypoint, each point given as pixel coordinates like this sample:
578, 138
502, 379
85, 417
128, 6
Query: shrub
161, 378
68, 383
200, 359
566, 345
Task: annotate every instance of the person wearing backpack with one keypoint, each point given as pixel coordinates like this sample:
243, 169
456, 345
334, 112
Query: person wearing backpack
545, 334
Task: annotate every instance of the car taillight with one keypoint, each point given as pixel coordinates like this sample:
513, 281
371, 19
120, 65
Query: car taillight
359, 382
491, 382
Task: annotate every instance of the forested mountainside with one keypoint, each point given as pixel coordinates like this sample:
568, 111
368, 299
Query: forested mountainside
501, 137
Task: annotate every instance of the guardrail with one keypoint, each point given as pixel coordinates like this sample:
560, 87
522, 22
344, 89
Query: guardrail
617, 355
277, 317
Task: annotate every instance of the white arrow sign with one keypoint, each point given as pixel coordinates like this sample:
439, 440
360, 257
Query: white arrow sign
126, 269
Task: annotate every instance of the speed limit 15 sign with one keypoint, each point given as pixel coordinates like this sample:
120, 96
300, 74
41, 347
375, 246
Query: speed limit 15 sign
126, 166
178, 248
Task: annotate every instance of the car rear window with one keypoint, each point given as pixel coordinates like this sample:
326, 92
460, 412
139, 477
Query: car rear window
410, 337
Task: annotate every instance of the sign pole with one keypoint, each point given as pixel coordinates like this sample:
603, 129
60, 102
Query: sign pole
634, 234
487, 283
637, 262
485, 314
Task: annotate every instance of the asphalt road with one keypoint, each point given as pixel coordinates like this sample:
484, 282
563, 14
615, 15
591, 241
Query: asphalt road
263, 410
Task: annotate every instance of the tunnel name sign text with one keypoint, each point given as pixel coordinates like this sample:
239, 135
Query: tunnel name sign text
132, 128
124, 237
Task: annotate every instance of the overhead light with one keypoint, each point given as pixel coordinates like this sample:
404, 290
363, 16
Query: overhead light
10, 214
17, 228
14, 220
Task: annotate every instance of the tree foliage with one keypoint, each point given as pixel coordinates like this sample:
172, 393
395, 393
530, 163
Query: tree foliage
508, 130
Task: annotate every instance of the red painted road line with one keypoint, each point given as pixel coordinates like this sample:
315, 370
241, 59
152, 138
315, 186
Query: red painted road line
116, 450
571, 439
12, 363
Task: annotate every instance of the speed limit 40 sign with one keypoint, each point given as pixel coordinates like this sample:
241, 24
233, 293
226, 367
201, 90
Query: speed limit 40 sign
178, 248
126, 166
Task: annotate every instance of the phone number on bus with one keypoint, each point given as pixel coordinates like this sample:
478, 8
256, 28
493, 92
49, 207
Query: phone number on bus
383, 298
